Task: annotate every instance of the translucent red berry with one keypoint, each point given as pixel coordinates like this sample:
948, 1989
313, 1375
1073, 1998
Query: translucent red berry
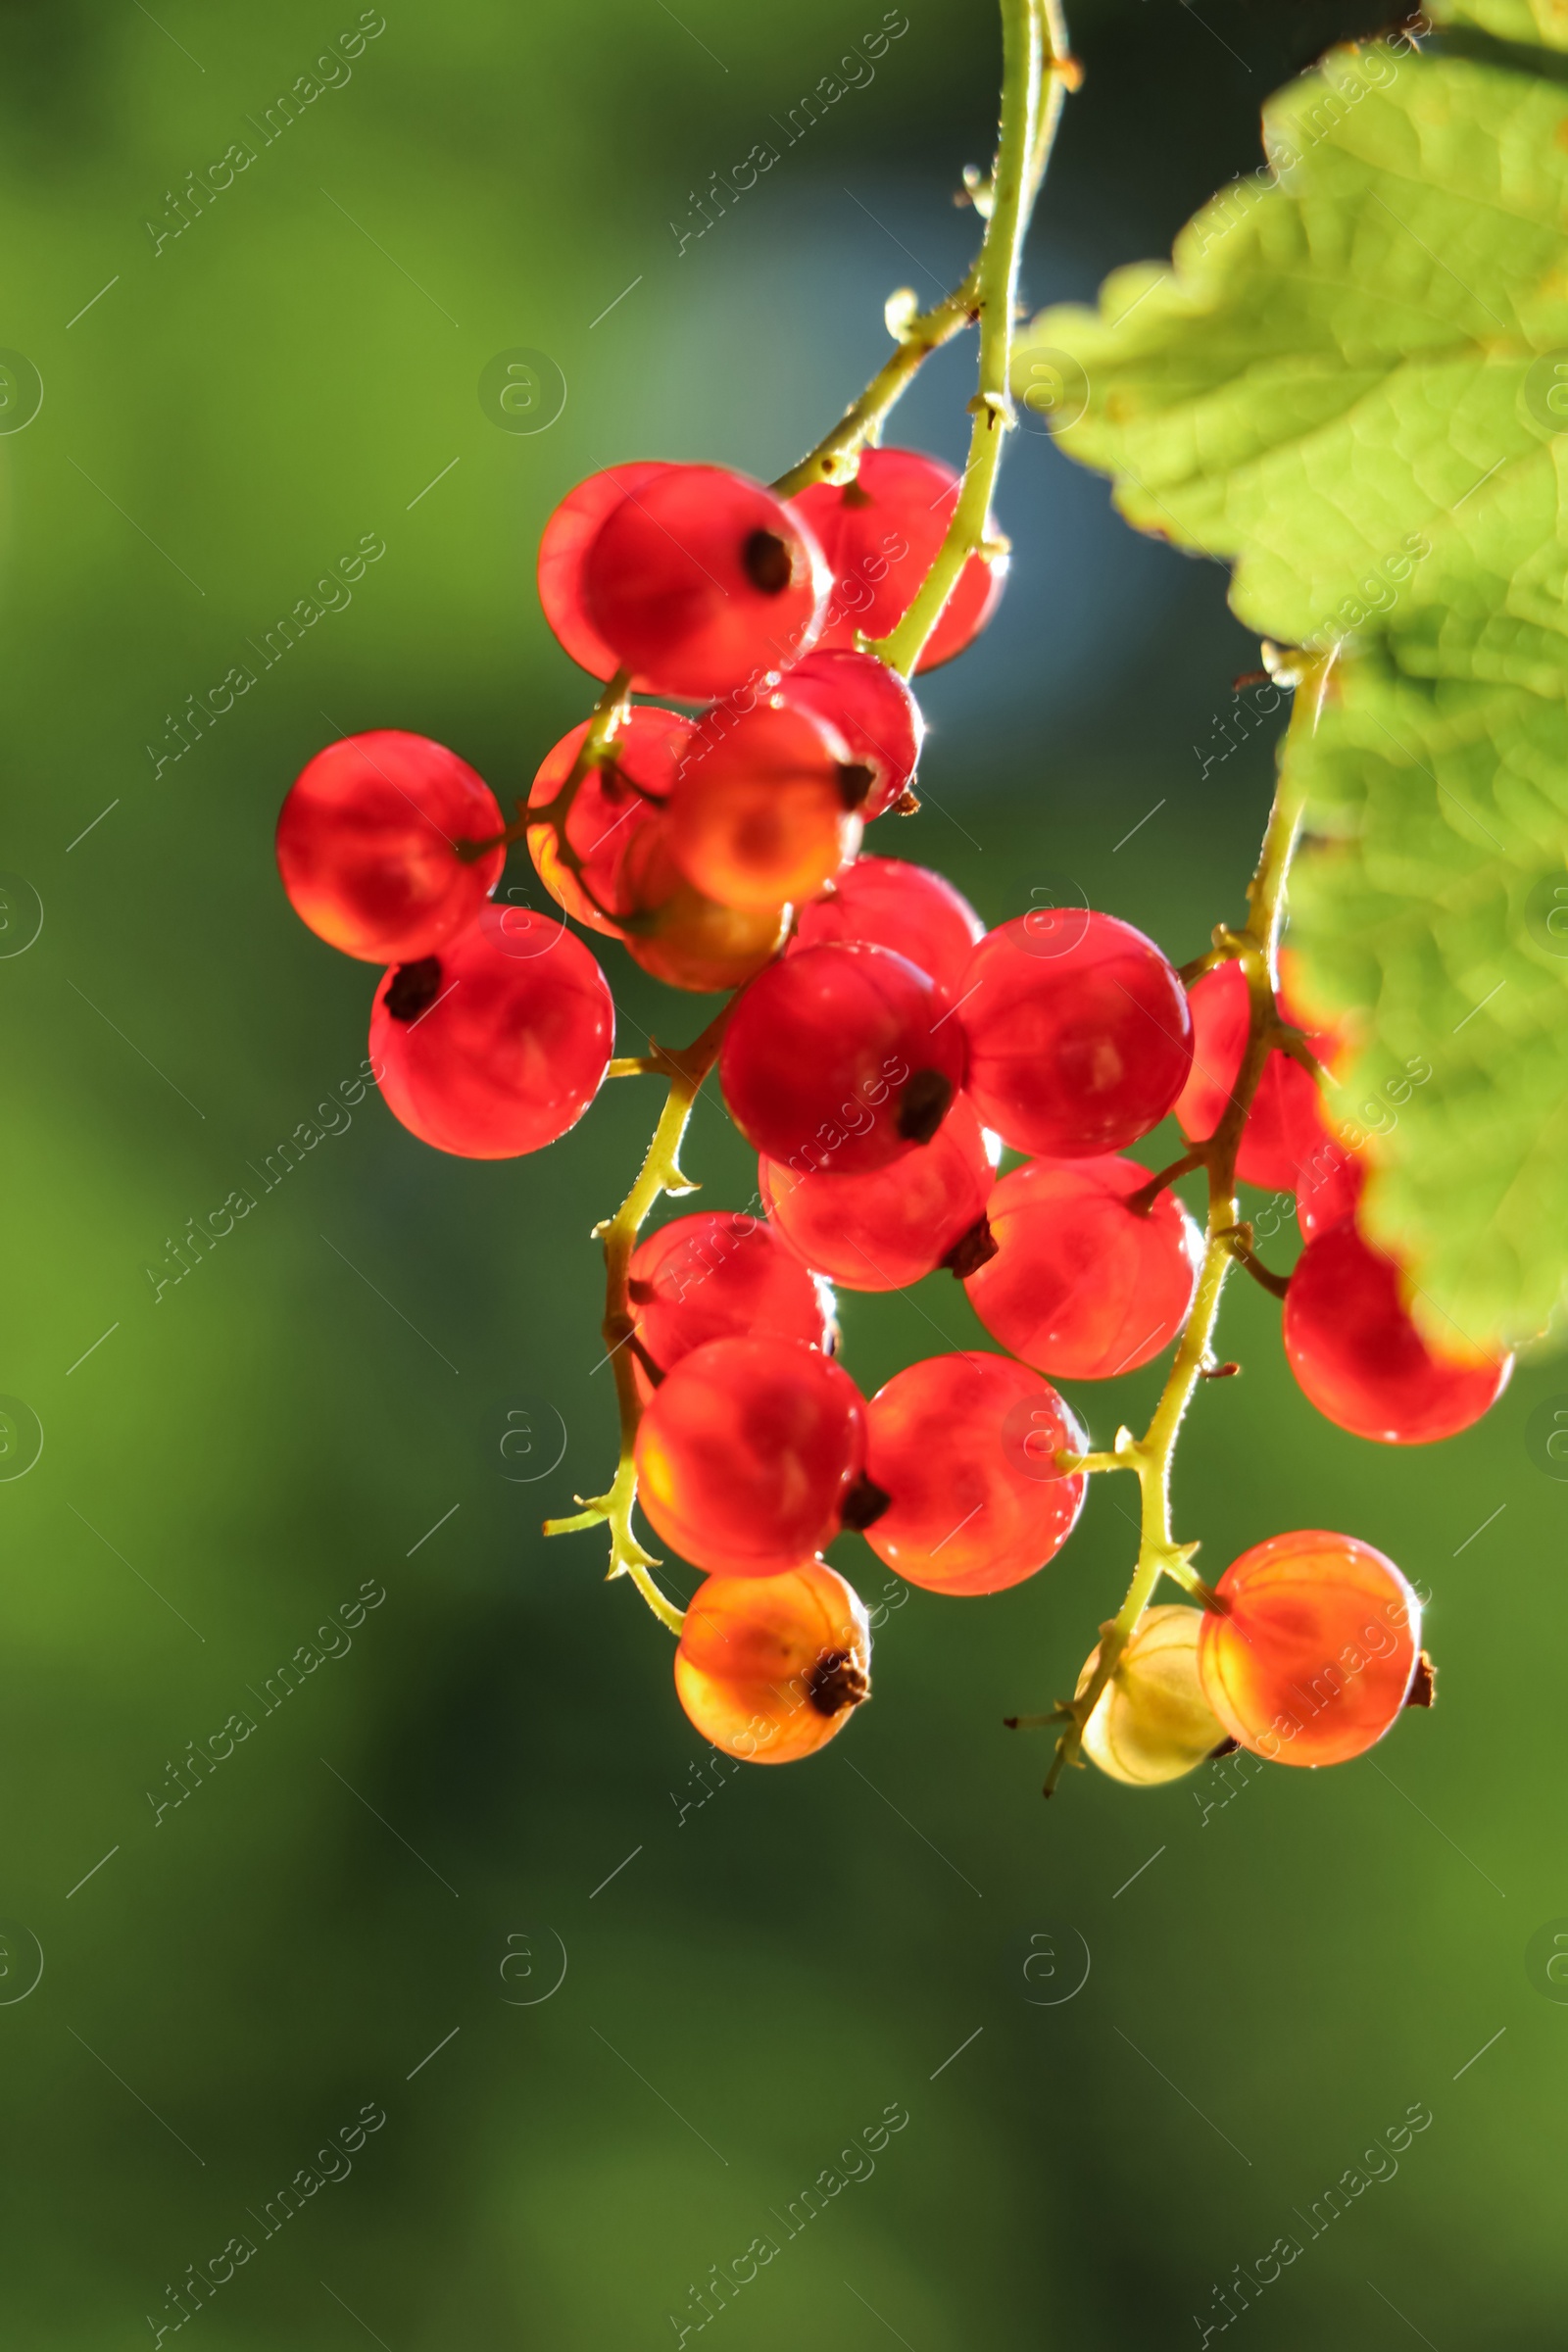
766, 808
720, 1275
883, 1231
1311, 1656
1283, 1124
370, 842
499, 1044
1359, 1357
1328, 1188
612, 801
964, 1448
1080, 1038
841, 1057
1080, 1285
872, 709
881, 533
907, 907
769, 1668
746, 1453
567, 537
700, 580
684, 939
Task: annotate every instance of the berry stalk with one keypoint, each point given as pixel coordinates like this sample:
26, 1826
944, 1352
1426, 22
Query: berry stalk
1255, 948
660, 1173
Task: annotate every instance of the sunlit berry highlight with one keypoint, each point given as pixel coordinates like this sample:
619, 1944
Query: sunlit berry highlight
964, 1448
1283, 1124
611, 805
722, 1275
771, 1668
746, 1453
1153, 1722
1310, 1655
1355, 1348
498, 1044
872, 709
677, 934
369, 845
1079, 1034
1080, 1283
881, 534
568, 536
766, 808
883, 1231
842, 1058
891, 903
700, 580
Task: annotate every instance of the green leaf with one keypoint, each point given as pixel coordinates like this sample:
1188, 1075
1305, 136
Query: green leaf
1351, 383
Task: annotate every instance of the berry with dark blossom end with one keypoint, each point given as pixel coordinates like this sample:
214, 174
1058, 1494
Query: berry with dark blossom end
842, 1058
1284, 1121
746, 1453
499, 1044
909, 909
1080, 1038
700, 580
881, 534
720, 1275
1355, 1348
766, 808
370, 842
1080, 1283
883, 1231
872, 709
771, 1668
965, 1448
1310, 1655
611, 805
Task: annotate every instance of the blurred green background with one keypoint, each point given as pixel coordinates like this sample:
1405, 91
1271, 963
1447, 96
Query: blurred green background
368, 1905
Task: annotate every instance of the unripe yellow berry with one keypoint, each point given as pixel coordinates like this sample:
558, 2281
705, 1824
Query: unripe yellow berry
1151, 1722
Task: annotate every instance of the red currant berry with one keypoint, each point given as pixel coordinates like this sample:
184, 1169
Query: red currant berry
747, 1455
881, 533
770, 1667
1329, 1188
1284, 1123
499, 1044
370, 842
568, 536
964, 1446
1310, 1655
872, 709
883, 1231
905, 907
841, 1057
1080, 1038
1080, 1285
765, 808
720, 1276
610, 804
1359, 1358
682, 938
701, 579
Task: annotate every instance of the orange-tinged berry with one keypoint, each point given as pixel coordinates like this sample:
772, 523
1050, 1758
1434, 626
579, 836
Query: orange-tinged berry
769, 1668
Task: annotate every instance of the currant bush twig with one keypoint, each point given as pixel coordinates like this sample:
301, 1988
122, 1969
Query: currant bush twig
1255, 947
604, 724
685, 1067
1022, 150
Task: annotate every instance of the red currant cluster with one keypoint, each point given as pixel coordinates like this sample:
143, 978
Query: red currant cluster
880, 1049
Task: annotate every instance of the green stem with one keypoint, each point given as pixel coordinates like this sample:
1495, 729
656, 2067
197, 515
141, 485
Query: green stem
1020, 160
660, 1173
1255, 948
